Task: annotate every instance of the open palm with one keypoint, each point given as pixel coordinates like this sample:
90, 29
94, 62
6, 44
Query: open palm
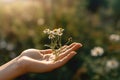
35, 60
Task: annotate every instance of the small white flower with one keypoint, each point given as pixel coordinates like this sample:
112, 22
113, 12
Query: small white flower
52, 32
111, 64
55, 31
60, 34
97, 51
114, 37
46, 31
51, 36
58, 31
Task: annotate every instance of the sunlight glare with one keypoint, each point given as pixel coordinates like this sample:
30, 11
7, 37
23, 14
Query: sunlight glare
7, 1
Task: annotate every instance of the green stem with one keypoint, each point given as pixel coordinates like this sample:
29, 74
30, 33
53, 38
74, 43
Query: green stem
60, 45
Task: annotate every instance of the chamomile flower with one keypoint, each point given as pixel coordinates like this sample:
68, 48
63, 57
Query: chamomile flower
114, 37
58, 32
97, 51
55, 31
60, 29
51, 36
46, 31
55, 38
112, 64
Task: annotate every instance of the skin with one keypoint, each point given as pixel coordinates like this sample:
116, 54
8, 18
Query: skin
37, 61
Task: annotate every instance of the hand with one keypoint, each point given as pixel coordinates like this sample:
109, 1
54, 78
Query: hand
34, 60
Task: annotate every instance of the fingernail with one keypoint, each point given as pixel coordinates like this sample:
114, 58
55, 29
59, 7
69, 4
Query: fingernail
79, 44
74, 52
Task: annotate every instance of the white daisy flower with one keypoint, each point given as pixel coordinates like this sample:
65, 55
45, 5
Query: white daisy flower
55, 31
51, 36
112, 64
114, 37
60, 34
58, 31
51, 32
46, 31
97, 51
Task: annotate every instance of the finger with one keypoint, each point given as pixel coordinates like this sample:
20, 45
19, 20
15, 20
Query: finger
67, 46
64, 60
64, 48
47, 51
60, 49
73, 48
63, 55
72, 44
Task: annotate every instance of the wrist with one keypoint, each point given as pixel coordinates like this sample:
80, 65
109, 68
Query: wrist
22, 65
12, 69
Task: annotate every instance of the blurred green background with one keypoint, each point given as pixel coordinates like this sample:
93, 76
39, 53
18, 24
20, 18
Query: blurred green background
94, 23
